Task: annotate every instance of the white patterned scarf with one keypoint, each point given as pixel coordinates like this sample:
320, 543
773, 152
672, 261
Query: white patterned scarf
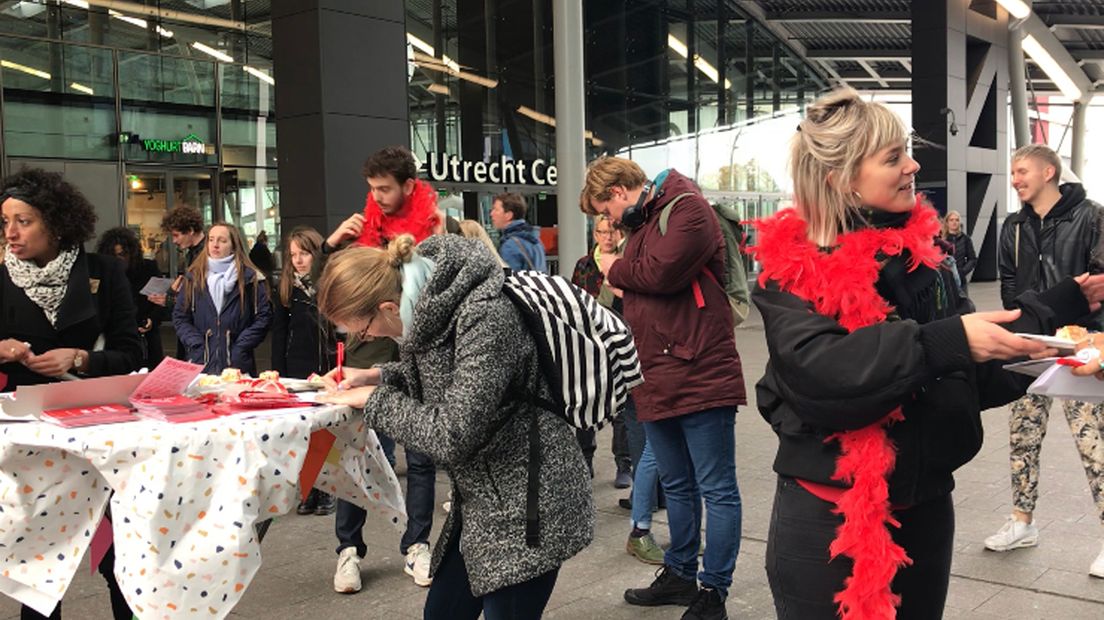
45, 286
302, 281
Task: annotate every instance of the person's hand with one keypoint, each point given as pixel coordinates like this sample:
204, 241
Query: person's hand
606, 261
177, 284
1093, 362
356, 397
351, 378
159, 299
442, 220
1092, 287
145, 328
348, 230
13, 351
53, 363
989, 341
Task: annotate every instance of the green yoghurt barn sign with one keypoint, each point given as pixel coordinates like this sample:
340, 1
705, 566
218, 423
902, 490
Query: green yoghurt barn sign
189, 145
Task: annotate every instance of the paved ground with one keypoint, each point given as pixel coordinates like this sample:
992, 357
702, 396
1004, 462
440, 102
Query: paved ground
1050, 581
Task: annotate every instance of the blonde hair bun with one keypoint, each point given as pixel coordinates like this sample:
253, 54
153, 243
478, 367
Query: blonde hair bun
400, 250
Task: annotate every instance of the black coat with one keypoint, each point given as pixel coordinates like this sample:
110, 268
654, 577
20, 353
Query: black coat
97, 302
964, 255
821, 379
138, 276
1036, 254
302, 342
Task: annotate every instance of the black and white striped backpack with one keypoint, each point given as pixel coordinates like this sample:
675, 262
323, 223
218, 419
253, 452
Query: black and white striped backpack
587, 355
586, 351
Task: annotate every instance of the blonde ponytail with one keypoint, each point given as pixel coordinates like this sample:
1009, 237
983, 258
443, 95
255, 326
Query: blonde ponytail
400, 250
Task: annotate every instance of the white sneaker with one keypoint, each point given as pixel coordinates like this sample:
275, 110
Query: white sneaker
418, 559
347, 577
447, 506
1096, 569
1014, 534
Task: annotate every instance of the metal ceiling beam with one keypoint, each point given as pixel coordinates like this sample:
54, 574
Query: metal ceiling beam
874, 74
853, 54
1074, 21
865, 17
1033, 26
752, 9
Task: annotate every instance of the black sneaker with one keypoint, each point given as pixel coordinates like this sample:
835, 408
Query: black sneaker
707, 605
667, 589
326, 504
308, 505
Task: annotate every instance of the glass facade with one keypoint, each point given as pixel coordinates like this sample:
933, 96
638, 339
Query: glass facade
180, 109
692, 84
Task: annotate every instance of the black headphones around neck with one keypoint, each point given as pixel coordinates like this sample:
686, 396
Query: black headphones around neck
635, 216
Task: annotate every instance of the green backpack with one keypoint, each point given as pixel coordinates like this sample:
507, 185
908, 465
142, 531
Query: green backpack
736, 282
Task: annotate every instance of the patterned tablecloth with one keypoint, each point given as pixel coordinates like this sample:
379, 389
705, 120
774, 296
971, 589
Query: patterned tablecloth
186, 498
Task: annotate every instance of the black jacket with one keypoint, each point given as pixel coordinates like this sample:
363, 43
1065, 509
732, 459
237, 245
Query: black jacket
820, 379
145, 309
97, 302
964, 255
1035, 255
302, 342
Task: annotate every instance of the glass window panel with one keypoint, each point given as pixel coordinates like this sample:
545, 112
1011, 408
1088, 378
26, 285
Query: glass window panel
168, 109
59, 100
248, 116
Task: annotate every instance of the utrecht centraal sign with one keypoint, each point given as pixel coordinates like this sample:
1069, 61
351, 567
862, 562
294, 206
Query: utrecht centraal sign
443, 167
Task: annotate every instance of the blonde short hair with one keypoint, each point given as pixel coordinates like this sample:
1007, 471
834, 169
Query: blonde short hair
604, 173
839, 131
358, 279
1042, 154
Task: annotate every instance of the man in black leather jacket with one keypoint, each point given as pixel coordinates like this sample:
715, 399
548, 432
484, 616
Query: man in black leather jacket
1056, 234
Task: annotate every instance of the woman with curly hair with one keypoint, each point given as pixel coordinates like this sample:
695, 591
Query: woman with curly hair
62, 312
223, 312
123, 244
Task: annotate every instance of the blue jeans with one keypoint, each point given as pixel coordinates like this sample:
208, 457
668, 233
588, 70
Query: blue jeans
421, 481
450, 596
644, 489
696, 454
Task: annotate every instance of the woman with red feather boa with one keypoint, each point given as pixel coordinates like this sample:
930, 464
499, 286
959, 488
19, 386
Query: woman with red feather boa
877, 373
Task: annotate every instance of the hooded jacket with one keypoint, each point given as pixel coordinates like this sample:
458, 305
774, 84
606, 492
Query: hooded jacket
460, 394
226, 337
1037, 254
302, 341
520, 247
687, 351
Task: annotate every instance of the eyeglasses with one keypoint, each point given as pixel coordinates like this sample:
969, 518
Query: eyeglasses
604, 233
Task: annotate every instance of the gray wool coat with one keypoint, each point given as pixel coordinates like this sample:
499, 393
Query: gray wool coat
459, 394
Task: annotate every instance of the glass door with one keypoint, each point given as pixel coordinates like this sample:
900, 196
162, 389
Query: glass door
152, 192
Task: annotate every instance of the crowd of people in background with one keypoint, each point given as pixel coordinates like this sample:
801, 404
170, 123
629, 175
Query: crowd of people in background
874, 385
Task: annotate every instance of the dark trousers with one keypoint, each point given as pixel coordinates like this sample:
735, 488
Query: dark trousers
450, 596
119, 608
803, 580
421, 480
588, 443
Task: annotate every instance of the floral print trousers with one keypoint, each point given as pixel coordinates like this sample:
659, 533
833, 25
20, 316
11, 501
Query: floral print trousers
1027, 428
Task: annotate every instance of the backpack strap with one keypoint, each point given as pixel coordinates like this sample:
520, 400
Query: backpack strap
665, 214
524, 254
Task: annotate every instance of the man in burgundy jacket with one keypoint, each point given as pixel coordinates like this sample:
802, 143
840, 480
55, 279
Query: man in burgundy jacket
676, 305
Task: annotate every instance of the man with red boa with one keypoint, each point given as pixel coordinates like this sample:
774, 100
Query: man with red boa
397, 203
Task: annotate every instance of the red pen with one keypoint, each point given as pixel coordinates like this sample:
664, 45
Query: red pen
340, 361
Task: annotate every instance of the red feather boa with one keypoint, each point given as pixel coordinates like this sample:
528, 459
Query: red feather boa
841, 285
419, 217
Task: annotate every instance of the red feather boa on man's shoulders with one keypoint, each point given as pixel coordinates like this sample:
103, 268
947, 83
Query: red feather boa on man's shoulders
419, 217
